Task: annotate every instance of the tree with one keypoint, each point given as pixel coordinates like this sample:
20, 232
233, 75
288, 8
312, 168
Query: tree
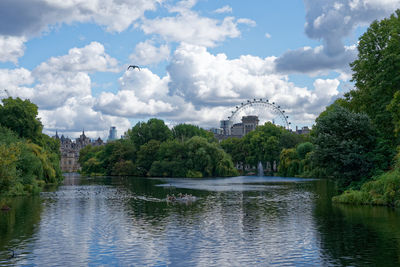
147, 155
266, 143
234, 147
288, 163
377, 77
207, 158
295, 161
171, 160
21, 117
8, 166
115, 152
187, 131
394, 109
344, 144
304, 148
153, 129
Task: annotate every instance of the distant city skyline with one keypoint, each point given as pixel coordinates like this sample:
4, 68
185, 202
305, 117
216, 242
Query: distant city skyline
197, 58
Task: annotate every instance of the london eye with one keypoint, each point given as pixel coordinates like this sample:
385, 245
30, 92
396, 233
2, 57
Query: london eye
264, 109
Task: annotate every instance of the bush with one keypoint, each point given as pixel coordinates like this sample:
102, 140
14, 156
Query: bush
194, 174
385, 190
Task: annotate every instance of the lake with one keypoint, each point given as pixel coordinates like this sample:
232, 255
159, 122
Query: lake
240, 221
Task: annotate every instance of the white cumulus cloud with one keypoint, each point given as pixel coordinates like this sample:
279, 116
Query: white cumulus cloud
11, 48
188, 26
77, 114
21, 20
202, 88
147, 53
224, 9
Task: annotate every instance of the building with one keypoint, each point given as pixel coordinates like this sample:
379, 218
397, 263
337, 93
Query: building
113, 134
216, 130
70, 150
248, 124
303, 130
237, 129
225, 126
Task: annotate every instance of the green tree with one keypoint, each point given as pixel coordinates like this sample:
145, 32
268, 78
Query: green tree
272, 149
9, 155
153, 129
146, 156
288, 163
394, 109
234, 147
21, 117
304, 148
344, 145
377, 77
187, 131
296, 161
117, 151
209, 159
266, 143
171, 160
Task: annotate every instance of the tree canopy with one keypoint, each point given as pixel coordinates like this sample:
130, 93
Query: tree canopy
153, 129
344, 144
187, 131
151, 149
28, 158
263, 144
376, 75
20, 116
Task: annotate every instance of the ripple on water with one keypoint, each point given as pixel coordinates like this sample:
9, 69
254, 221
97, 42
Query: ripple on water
234, 222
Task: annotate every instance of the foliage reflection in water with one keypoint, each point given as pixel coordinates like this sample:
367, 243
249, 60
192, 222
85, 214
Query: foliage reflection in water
234, 221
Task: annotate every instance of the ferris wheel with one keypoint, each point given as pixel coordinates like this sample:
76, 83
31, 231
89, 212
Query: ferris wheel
265, 110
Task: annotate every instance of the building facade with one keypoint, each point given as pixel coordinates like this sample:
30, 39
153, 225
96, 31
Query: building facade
70, 150
248, 124
303, 130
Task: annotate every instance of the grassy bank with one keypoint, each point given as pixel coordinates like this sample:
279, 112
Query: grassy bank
385, 190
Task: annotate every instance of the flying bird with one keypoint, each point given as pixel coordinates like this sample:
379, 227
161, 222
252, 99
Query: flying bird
133, 67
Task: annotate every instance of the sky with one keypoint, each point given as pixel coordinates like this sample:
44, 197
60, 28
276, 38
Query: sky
198, 58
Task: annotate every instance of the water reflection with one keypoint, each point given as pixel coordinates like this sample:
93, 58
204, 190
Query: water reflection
17, 226
361, 236
235, 221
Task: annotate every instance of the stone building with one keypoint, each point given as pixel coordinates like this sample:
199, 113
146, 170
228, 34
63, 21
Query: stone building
237, 129
303, 130
70, 150
248, 124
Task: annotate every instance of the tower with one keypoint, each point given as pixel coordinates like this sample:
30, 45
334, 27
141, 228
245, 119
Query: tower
113, 133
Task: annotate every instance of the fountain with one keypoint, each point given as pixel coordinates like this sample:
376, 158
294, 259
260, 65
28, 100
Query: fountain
260, 169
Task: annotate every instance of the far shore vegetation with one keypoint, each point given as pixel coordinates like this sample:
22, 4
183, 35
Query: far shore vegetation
355, 141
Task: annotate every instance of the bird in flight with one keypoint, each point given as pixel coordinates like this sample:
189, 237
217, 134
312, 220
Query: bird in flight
133, 67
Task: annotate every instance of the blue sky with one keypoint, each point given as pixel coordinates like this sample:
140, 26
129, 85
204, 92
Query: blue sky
198, 58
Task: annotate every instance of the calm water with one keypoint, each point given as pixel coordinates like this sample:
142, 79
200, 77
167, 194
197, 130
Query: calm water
242, 221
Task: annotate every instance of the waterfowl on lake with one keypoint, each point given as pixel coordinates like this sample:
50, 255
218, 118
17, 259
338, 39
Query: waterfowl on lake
181, 197
12, 255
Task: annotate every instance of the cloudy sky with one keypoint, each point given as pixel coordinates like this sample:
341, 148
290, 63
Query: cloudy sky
198, 58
